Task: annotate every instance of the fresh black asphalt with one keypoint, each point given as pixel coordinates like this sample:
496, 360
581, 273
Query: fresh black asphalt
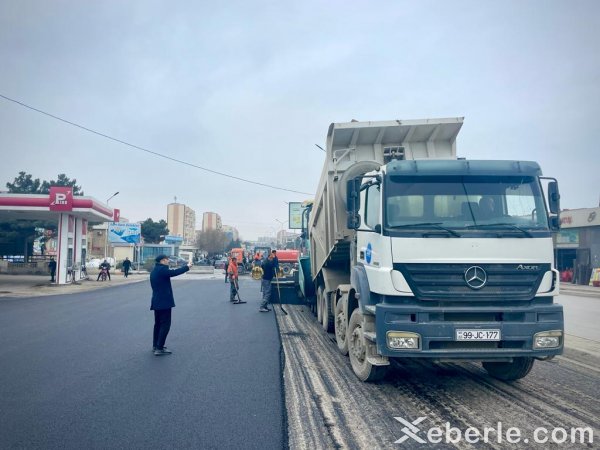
77, 371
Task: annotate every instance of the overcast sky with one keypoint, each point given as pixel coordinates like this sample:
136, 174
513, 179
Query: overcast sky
248, 88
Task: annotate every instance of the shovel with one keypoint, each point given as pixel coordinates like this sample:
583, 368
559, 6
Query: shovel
237, 292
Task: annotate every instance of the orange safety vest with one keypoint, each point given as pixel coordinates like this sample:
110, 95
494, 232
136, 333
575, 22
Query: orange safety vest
233, 270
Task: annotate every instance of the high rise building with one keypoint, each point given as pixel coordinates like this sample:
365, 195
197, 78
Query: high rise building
231, 232
181, 221
211, 221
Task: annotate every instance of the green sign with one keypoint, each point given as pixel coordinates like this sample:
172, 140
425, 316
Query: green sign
567, 237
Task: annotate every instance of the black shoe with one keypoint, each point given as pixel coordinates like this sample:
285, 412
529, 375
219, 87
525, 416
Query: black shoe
163, 351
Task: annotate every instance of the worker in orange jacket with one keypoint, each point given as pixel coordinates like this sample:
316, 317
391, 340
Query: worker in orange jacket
232, 271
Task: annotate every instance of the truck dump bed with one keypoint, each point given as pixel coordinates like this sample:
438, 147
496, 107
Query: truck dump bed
355, 148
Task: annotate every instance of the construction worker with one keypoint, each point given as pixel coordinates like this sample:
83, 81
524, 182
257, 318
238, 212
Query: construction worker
232, 270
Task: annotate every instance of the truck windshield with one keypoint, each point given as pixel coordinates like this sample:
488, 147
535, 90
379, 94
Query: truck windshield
472, 203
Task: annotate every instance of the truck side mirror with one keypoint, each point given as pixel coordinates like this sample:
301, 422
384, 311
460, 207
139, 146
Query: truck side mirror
553, 197
353, 203
554, 223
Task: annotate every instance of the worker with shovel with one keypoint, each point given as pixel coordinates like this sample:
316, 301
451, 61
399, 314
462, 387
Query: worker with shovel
232, 271
268, 268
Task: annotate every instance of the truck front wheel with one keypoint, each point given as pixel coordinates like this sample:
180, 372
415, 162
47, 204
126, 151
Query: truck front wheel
509, 371
358, 349
340, 325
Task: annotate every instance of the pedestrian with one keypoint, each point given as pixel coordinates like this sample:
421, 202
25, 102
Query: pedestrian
52, 269
126, 266
227, 262
232, 270
163, 301
104, 265
268, 268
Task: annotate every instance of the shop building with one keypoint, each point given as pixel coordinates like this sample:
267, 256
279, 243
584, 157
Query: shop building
577, 244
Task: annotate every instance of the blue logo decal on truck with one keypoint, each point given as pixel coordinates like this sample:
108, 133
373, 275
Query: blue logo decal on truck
368, 253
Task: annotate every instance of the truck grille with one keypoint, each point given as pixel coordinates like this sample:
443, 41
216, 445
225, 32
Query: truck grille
446, 282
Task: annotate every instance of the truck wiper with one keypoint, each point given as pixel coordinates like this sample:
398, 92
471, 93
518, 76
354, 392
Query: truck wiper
432, 224
512, 225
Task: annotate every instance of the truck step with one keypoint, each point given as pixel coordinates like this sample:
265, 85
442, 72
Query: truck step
371, 336
378, 360
370, 309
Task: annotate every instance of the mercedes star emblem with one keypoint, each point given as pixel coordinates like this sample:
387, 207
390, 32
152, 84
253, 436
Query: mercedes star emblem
475, 277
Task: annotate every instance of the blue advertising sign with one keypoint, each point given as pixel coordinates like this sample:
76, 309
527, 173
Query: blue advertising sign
173, 240
124, 233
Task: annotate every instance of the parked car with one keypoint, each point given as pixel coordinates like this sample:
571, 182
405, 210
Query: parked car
220, 263
176, 261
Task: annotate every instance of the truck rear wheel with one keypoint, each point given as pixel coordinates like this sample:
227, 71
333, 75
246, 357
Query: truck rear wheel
320, 304
509, 371
327, 316
340, 325
358, 351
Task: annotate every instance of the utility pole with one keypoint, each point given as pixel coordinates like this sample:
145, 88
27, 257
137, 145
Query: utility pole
106, 231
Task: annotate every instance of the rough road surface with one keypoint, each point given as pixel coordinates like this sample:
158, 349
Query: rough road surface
328, 407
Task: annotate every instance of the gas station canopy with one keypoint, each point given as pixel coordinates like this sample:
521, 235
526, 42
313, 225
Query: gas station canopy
71, 213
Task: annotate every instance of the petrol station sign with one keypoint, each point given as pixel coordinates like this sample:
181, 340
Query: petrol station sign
61, 198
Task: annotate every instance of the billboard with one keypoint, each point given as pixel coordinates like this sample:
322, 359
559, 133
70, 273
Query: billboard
173, 240
124, 233
295, 215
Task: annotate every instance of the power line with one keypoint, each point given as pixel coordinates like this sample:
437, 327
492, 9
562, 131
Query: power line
150, 151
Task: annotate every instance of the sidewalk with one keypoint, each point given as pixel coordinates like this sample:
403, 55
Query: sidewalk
582, 290
39, 285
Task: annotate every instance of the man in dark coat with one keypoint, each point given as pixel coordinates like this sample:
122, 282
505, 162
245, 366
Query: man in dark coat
52, 269
163, 301
126, 266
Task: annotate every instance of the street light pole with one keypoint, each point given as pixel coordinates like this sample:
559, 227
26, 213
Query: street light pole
106, 231
281, 223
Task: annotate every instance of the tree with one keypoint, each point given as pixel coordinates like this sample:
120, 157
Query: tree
212, 241
26, 184
235, 243
62, 180
152, 231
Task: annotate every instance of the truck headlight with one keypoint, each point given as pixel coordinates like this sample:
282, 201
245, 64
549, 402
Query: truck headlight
403, 340
547, 339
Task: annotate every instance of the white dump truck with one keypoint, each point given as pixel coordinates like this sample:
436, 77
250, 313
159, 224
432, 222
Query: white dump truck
415, 253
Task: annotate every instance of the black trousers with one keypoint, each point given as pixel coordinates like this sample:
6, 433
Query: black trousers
126, 270
162, 325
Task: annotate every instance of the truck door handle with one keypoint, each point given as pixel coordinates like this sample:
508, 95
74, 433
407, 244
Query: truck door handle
362, 254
